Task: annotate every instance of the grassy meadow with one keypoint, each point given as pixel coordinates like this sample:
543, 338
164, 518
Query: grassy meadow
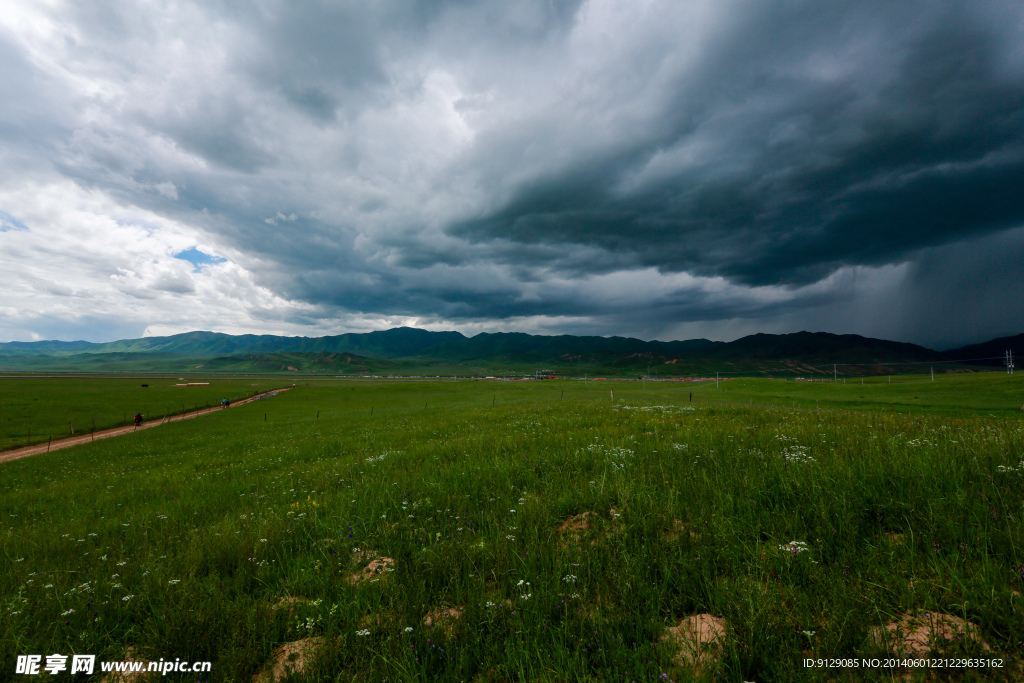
980, 394
34, 409
536, 531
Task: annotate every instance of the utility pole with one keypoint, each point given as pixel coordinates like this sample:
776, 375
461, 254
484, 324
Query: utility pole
834, 375
933, 373
1009, 362
716, 380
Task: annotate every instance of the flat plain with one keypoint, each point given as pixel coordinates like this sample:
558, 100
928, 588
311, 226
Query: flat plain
33, 409
533, 531
974, 394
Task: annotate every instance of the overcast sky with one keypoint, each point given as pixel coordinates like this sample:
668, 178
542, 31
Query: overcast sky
659, 169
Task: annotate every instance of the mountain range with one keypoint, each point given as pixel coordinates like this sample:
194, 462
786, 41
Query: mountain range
406, 350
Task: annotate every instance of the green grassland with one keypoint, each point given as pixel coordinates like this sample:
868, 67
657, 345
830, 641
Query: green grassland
223, 538
34, 409
987, 394
497, 360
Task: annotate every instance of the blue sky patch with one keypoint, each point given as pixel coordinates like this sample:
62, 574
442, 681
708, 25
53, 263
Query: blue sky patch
9, 222
197, 258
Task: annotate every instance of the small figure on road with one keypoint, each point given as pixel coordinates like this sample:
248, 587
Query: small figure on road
225, 403
138, 419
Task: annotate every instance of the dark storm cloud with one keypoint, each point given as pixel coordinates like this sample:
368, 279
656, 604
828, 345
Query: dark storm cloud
917, 139
966, 292
615, 166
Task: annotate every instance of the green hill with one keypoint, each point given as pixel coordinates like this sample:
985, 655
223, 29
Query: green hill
990, 352
412, 351
307, 363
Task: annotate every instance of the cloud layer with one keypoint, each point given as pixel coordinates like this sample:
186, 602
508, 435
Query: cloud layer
652, 168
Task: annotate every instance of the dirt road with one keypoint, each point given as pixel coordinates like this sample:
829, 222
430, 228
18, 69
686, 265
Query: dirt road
118, 431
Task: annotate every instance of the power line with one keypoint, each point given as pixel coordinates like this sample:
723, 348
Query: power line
915, 362
882, 363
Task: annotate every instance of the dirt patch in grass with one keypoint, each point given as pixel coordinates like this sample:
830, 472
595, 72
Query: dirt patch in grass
290, 658
697, 640
571, 531
918, 633
376, 567
577, 524
444, 618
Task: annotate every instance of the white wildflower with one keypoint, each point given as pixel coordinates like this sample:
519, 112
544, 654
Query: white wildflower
795, 547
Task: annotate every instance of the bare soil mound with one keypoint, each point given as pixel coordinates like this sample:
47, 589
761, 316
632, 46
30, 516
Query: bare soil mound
698, 640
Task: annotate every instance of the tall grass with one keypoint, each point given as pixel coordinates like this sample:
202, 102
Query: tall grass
183, 541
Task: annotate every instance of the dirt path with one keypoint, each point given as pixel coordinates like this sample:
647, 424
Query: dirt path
16, 453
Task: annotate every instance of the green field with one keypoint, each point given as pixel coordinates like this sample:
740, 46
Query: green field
987, 394
34, 409
566, 529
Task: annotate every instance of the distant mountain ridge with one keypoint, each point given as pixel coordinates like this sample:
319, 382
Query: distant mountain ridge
404, 343
393, 343
993, 350
541, 347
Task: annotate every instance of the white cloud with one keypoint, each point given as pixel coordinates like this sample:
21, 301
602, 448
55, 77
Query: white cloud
85, 257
